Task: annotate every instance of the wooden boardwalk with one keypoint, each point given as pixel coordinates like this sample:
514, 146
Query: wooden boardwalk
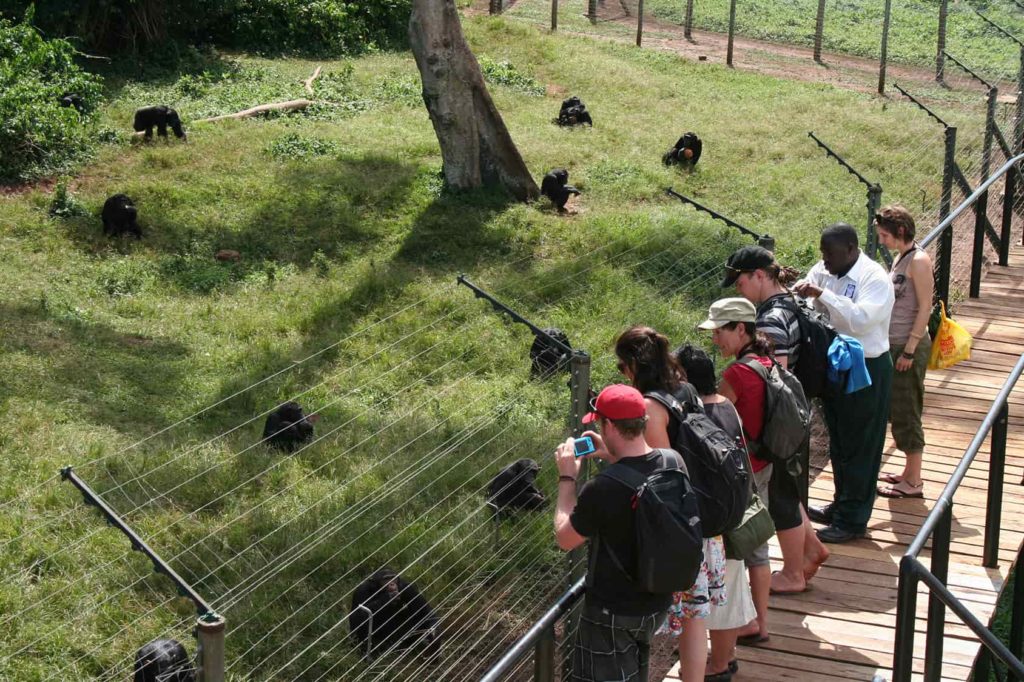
843, 628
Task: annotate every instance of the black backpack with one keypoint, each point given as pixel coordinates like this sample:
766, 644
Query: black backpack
669, 543
816, 335
717, 465
787, 413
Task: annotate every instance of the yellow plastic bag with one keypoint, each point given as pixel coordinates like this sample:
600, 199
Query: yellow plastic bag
952, 343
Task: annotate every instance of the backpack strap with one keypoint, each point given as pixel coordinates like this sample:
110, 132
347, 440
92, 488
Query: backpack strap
756, 366
671, 403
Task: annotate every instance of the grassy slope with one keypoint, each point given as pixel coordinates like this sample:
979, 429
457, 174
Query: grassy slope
104, 343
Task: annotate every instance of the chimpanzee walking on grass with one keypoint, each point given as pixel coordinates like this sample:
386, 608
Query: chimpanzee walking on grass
159, 117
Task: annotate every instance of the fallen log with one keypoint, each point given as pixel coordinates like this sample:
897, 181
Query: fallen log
291, 105
309, 81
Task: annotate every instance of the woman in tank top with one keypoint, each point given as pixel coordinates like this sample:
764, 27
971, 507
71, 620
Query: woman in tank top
909, 345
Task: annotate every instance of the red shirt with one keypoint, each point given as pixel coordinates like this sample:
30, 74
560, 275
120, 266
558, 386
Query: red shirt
749, 390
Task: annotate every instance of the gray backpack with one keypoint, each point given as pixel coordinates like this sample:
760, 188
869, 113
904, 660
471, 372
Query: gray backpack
787, 414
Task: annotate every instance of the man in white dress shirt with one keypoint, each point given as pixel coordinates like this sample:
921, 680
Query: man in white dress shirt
857, 294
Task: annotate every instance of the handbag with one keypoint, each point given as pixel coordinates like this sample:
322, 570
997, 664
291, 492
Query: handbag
952, 343
755, 529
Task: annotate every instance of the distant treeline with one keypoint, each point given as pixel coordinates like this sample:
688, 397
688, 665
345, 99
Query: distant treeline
316, 27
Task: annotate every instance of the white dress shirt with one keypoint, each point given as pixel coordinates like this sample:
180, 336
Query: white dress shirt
858, 304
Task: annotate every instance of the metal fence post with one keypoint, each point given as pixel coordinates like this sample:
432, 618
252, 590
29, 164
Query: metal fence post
639, 22
592, 11
980, 216
210, 627
1017, 615
554, 15
940, 57
819, 28
885, 47
936, 609
544, 657
906, 615
990, 127
579, 387
1009, 192
688, 21
946, 240
874, 203
732, 30
994, 506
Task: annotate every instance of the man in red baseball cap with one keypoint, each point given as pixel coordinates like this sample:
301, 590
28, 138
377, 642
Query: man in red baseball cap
618, 620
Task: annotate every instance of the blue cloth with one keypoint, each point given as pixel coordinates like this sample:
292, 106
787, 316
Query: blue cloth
846, 357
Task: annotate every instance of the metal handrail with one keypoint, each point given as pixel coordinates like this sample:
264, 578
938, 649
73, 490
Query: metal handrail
543, 628
937, 526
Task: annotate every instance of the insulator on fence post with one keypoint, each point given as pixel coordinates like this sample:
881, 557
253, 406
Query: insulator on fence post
766, 241
210, 627
885, 47
688, 21
940, 57
732, 31
819, 28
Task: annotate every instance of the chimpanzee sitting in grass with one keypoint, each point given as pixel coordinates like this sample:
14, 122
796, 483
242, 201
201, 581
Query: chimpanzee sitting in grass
120, 217
288, 427
387, 611
554, 187
73, 99
163, 660
159, 117
514, 488
546, 356
686, 151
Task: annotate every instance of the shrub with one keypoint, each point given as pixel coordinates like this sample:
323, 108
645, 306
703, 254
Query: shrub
37, 135
296, 146
64, 204
505, 73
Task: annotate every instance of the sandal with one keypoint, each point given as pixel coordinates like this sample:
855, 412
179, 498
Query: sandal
891, 478
891, 491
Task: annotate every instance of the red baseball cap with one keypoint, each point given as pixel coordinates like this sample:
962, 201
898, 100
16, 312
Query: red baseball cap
615, 402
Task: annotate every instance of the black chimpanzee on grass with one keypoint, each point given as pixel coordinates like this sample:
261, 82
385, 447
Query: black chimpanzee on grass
554, 187
73, 99
120, 217
288, 427
163, 660
159, 117
547, 357
574, 112
401, 617
686, 151
514, 488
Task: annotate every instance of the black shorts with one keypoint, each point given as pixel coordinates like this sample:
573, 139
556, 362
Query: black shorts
610, 647
784, 498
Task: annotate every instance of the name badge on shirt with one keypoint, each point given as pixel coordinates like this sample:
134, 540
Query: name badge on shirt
851, 289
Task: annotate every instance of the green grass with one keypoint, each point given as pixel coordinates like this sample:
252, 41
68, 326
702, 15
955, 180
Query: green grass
349, 259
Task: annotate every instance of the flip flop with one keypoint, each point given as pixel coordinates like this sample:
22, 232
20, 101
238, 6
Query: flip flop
752, 640
892, 492
890, 478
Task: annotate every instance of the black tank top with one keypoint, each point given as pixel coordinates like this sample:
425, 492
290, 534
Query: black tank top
724, 414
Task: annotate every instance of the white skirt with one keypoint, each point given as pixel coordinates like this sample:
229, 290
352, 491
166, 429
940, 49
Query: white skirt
738, 610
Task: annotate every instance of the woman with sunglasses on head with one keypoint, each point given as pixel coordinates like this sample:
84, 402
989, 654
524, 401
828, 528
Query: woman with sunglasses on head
909, 345
646, 361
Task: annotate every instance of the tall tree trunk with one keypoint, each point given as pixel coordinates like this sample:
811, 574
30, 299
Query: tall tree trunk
475, 144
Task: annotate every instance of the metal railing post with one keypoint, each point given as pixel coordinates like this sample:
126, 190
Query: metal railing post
732, 31
639, 22
874, 203
994, 505
940, 58
936, 609
544, 657
579, 386
945, 254
885, 47
906, 615
1017, 616
819, 28
980, 215
210, 628
990, 128
688, 21
1009, 193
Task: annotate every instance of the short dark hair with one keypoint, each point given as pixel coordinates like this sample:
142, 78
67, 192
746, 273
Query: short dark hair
841, 233
700, 370
629, 428
897, 221
759, 341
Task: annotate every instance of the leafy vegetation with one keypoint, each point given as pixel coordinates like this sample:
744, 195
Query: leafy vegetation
344, 298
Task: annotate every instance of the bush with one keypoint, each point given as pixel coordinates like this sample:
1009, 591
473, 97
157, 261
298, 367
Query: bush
64, 204
295, 146
37, 135
505, 73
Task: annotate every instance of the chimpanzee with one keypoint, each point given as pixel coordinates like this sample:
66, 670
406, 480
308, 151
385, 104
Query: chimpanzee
163, 660
161, 117
401, 616
574, 112
287, 427
73, 99
120, 217
514, 488
686, 151
554, 187
547, 357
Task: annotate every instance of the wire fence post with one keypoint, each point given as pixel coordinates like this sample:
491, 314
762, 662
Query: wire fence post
874, 203
885, 47
732, 30
210, 628
980, 217
940, 57
936, 609
579, 388
1009, 191
592, 11
945, 254
688, 21
639, 22
1018, 134
495, 7
554, 15
544, 657
819, 28
994, 506
906, 617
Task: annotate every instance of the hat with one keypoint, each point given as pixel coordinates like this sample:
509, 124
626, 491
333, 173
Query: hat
615, 402
728, 310
747, 259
